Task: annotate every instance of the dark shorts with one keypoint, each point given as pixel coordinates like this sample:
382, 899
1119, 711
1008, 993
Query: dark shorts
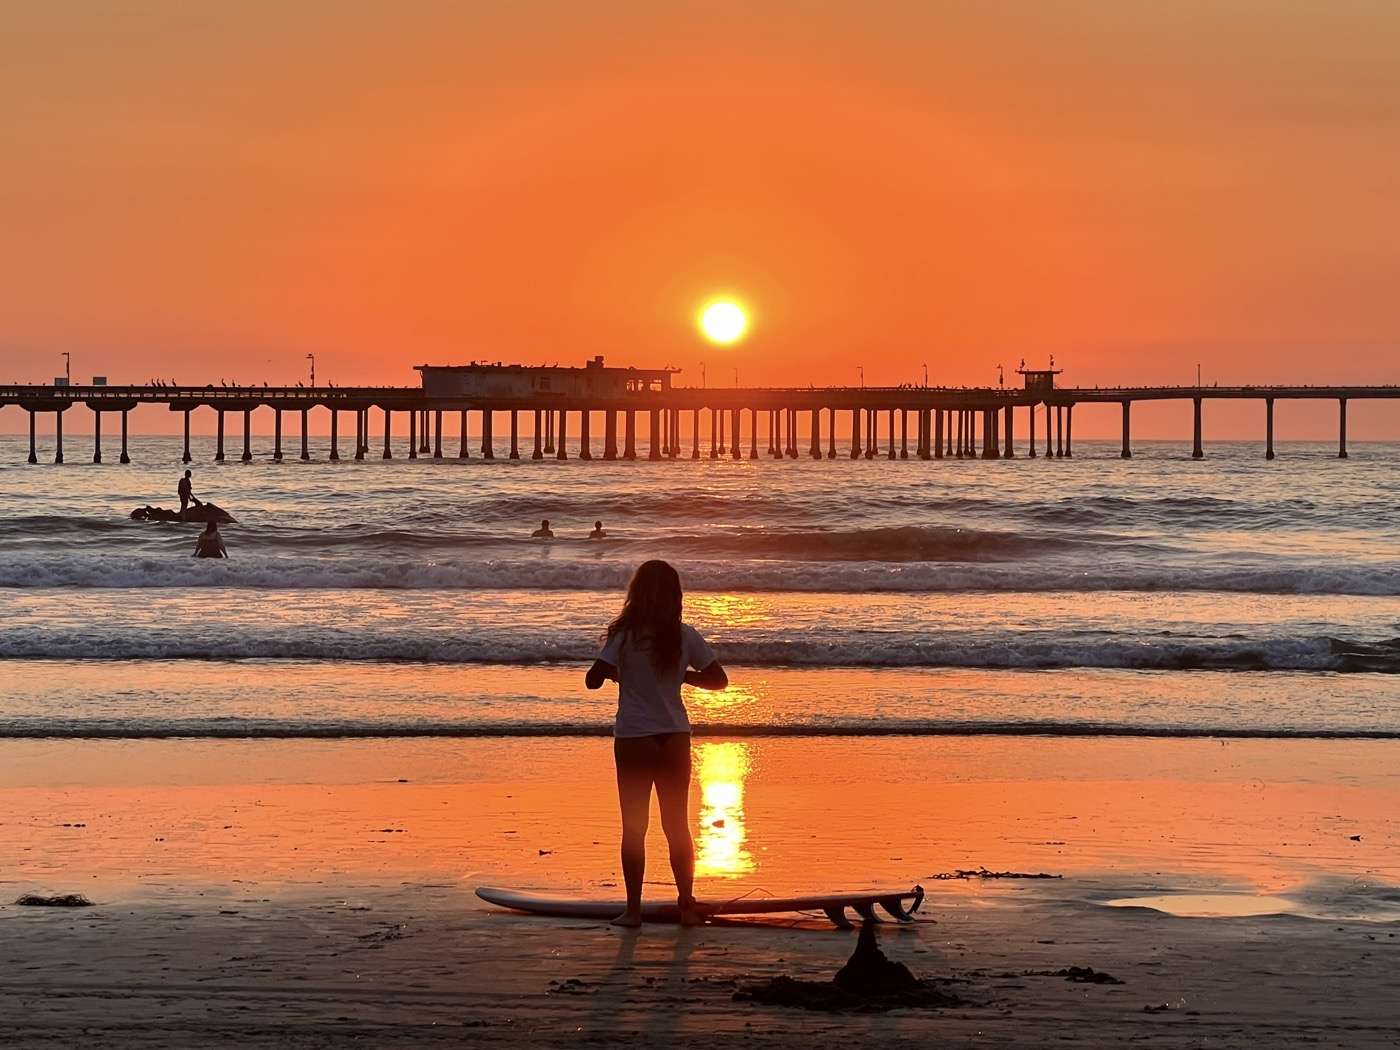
663, 757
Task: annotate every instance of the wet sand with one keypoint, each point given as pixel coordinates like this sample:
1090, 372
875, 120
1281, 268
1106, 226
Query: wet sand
319, 893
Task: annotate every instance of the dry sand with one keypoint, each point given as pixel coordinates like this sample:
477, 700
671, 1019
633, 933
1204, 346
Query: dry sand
298, 894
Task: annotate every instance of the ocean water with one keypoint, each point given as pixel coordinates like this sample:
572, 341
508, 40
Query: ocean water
1158, 595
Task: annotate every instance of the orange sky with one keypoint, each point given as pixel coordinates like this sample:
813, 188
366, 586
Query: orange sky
203, 191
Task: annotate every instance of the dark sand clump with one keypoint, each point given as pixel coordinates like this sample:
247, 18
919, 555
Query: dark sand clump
870, 982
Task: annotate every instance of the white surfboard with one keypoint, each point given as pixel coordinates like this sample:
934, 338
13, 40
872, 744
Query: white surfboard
834, 905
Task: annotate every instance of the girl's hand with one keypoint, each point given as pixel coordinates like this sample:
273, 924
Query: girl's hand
600, 672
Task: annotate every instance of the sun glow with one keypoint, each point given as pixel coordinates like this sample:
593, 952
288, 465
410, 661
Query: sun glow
723, 321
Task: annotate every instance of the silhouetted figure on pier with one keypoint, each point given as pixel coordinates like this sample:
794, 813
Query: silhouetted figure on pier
186, 491
544, 532
597, 533
210, 543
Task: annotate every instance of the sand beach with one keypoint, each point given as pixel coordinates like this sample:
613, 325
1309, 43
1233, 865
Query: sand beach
320, 893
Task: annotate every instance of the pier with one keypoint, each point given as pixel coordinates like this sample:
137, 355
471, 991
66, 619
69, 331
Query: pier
642, 414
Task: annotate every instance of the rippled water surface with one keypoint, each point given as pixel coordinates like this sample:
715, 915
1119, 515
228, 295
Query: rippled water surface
1175, 579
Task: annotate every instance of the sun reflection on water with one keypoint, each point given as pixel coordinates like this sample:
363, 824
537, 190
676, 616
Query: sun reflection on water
730, 610
721, 771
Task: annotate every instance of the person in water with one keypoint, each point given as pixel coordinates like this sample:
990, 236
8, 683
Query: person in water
597, 533
650, 652
210, 543
186, 491
544, 532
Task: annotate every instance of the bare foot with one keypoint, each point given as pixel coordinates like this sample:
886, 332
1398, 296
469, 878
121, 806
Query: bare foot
630, 919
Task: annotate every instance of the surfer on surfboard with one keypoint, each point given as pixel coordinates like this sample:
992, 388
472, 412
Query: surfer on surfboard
650, 653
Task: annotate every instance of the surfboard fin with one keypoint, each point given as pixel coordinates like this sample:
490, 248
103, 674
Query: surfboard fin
837, 915
896, 909
866, 910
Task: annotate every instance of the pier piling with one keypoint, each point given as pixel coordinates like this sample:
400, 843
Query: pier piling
610, 433
538, 453
186, 457
1127, 452
219, 447
1268, 428
488, 438
97, 436
1197, 452
437, 433
247, 435
1069, 430
33, 451
561, 451
335, 436
412, 435
514, 434
124, 457
585, 435
1341, 428
388, 430
305, 449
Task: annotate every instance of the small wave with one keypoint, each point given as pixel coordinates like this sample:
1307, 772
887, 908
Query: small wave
603, 572
991, 650
228, 728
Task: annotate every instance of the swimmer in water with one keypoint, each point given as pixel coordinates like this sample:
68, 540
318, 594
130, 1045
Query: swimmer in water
210, 543
597, 533
544, 532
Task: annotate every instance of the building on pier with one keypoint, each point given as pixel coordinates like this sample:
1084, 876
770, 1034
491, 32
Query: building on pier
593, 380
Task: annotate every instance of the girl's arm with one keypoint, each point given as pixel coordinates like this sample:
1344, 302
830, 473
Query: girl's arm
712, 677
600, 672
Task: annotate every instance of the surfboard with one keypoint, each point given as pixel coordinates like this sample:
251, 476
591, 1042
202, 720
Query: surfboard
833, 905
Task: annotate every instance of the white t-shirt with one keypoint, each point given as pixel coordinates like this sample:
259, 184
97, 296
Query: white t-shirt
648, 703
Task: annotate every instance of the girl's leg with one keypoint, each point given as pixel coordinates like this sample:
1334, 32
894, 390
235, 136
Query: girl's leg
673, 796
636, 763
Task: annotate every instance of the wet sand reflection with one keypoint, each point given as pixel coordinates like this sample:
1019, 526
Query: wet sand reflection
721, 770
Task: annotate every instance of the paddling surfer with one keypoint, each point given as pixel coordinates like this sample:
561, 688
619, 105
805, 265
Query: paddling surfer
650, 653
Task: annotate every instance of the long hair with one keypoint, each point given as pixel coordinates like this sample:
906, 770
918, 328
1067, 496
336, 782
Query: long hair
651, 614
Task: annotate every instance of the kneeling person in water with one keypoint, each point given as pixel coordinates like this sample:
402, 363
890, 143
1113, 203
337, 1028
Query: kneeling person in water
210, 543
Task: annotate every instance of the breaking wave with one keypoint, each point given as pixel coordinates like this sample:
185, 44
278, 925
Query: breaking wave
975, 649
238, 728
165, 570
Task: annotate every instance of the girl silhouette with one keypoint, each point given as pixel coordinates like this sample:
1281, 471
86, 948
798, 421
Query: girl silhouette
650, 653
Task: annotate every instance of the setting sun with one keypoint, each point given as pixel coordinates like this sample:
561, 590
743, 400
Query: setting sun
723, 321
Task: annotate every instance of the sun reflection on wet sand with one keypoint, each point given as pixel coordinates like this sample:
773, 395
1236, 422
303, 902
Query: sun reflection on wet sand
721, 770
